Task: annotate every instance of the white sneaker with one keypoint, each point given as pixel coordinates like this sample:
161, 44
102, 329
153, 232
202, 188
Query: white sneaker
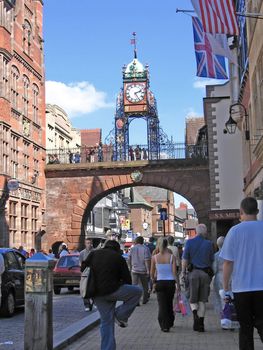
87, 309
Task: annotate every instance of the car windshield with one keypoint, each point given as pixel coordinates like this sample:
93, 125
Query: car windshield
68, 261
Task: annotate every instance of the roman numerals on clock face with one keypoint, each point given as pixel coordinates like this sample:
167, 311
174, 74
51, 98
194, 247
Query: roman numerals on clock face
135, 92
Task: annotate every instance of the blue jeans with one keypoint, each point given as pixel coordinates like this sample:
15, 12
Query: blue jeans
130, 295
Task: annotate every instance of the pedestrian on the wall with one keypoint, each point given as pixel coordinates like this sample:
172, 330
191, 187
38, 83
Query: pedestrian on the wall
243, 261
88, 304
164, 276
198, 257
100, 152
77, 157
139, 261
137, 152
70, 157
131, 153
112, 283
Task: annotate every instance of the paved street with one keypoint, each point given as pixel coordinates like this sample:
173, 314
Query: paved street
143, 333
67, 309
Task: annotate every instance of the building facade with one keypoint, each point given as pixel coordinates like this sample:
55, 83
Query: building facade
22, 122
225, 161
253, 100
159, 198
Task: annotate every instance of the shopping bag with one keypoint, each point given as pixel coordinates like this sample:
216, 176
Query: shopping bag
229, 316
182, 304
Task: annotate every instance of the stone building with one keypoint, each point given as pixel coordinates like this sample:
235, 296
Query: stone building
225, 161
192, 127
140, 213
59, 131
159, 198
251, 95
22, 122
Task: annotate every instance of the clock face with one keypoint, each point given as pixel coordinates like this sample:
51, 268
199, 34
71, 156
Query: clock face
135, 92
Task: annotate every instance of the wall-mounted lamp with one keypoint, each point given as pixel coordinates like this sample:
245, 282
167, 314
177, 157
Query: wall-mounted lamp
231, 124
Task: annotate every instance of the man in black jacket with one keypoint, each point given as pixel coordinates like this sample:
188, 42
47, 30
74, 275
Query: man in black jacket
112, 284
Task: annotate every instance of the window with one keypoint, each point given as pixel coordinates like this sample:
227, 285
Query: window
34, 217
14, 156
26, 160
159, 226
25, 97
14, 87
24, 223
36, 166
4, 76
35, 103
27, 37
5, 146
12, 222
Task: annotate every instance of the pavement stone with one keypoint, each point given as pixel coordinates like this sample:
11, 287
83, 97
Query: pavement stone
143, 333
67, 310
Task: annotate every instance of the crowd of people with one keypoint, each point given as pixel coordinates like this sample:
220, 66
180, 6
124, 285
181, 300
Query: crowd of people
236, 271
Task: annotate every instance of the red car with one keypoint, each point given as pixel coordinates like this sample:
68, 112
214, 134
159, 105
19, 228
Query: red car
66, 273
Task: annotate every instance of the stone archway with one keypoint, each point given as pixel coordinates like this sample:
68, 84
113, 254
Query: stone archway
71, 189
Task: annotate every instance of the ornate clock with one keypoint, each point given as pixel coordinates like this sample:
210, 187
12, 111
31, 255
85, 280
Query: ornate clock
135, 92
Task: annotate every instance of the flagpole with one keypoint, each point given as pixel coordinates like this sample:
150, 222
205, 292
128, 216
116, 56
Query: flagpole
249, 15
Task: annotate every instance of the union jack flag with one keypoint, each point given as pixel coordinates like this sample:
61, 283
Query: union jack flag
208, 64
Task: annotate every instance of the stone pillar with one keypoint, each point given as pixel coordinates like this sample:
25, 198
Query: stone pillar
213, 231
38, 303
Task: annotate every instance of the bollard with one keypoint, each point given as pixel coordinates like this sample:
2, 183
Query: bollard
39, 303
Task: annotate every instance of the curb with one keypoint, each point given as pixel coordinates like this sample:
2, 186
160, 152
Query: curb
68, 335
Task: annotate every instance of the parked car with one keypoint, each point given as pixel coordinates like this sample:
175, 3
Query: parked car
66, 273
13, 285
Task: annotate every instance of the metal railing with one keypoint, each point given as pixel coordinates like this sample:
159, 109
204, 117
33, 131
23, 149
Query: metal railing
106, 153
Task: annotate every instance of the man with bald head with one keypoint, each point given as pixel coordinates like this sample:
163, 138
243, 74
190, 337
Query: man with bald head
198, 252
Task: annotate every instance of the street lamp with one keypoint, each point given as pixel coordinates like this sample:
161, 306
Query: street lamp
231, 124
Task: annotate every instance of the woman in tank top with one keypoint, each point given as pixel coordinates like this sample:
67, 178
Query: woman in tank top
163, 273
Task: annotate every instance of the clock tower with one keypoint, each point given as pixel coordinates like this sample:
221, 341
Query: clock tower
134, 101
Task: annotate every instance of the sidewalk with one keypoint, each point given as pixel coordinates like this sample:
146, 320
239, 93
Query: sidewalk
143, 333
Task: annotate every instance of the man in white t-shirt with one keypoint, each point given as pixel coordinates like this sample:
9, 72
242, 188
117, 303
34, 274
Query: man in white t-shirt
242, 252
2, 269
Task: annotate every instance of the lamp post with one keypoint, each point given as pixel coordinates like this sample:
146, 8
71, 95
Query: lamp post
231, 124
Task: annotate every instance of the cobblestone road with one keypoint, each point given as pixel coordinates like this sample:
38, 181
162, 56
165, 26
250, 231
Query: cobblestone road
143, 333
67, 309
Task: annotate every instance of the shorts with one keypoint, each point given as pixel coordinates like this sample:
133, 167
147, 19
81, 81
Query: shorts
199, 285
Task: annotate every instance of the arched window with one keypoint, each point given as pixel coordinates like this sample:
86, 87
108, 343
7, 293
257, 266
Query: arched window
25, 95
14, 86
35, 103
27, 37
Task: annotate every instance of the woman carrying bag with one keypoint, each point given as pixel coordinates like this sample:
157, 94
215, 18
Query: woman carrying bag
163, 266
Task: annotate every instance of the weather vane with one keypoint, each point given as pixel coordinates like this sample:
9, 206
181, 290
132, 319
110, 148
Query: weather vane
133, 42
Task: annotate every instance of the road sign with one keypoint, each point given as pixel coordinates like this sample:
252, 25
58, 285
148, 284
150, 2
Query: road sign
163, 214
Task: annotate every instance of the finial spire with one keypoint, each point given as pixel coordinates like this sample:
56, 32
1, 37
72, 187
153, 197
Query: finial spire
134, 42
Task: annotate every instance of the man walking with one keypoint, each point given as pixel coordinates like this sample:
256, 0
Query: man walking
112, 283
82, 257
243, 260
139, 261
199, 253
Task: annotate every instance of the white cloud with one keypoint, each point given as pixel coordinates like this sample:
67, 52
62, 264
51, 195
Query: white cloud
200, 83
76, 98
191, 113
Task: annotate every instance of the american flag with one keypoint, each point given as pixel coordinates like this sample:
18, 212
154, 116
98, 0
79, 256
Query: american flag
217, 16
208, 64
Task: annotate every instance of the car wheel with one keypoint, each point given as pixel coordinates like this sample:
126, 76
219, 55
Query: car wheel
70, 288
8, 305
57, 290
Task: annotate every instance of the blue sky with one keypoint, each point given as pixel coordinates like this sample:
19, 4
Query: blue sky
87, 43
